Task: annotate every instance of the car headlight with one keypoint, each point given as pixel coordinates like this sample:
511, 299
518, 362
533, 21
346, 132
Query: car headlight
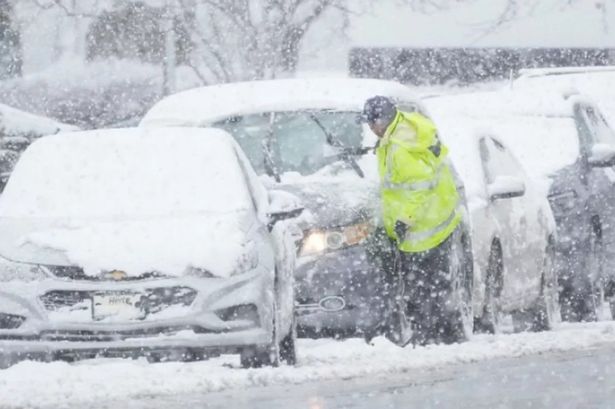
322, 241
563, 201
15, 271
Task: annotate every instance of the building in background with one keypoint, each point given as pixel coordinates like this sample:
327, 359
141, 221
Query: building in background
467, 41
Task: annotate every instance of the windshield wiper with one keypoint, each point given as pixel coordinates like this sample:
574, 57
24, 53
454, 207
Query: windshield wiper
347, 154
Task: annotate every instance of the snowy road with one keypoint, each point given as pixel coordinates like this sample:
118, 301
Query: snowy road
578, 361
579, 379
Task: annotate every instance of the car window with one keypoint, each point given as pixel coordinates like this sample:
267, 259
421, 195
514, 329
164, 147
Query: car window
250, 132
303, 142
601, 132
499, 161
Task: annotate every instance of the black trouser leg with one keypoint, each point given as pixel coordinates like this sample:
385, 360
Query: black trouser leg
427, 277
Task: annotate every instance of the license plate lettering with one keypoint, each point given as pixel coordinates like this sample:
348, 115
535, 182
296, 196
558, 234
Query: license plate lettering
117, 307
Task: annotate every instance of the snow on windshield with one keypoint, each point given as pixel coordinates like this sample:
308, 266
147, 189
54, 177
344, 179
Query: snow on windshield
127, 173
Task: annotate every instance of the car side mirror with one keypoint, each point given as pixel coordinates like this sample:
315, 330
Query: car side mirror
282, 206
506, 187
602, 155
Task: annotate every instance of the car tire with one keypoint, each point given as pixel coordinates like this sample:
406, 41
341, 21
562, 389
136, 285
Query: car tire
546, 311
275, 354
279, 351
456, 324
490, 320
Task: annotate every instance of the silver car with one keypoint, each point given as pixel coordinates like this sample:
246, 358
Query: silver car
157, 242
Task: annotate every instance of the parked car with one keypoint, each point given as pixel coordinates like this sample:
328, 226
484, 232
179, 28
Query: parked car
303, 137
17, 130
567, 146
512, 227
118, 248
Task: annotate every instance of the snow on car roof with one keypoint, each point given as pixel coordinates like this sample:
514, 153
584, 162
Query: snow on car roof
14, 122
531, 102
144, 171
599, 83
542, 72
116, 199
528, 138
205, 105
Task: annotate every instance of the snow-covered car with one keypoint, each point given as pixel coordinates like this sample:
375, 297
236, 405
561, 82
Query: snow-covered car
303, 137
17, 130
160, 242
512, 227
596, 82
567, 146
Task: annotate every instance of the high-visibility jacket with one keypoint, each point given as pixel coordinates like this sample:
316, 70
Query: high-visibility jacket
417, 184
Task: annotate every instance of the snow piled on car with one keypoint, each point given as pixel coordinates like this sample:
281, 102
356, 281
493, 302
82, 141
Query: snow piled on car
131, 199
206, 105
14, 122
52, 385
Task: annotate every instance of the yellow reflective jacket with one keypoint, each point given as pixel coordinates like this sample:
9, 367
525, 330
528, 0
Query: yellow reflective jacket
417, 185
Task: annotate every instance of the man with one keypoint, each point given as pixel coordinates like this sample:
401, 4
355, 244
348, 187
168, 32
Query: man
420, 214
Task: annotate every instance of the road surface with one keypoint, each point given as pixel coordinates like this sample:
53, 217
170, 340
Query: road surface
579, 379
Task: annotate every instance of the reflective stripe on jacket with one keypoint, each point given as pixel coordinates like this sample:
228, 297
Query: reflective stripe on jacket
417, 185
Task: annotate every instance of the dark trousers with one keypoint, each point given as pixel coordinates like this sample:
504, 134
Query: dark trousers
427, 287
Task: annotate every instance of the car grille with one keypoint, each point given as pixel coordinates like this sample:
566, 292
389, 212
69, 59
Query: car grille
154, 300
77, 273
108, 336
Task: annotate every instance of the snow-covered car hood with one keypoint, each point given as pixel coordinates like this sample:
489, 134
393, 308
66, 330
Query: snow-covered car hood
335, 204
169, 246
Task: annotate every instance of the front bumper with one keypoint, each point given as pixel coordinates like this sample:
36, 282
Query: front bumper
208, 320
341, 292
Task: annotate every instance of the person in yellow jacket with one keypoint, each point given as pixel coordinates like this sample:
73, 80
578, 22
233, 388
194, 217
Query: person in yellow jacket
420, 210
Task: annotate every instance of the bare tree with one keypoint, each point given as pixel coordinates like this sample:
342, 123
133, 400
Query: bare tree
250, 39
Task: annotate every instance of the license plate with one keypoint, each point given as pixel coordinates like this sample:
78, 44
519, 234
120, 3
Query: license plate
117, 306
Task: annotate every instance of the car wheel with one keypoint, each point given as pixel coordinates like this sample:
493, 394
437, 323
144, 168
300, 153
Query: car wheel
490, 319
456, 324
546, 312
279, 351
283, 351
5, 361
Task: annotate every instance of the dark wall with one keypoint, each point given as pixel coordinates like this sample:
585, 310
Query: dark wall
466, 65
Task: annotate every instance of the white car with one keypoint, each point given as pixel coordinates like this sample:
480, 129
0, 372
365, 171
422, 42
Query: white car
134, 241
568, 148
512, 227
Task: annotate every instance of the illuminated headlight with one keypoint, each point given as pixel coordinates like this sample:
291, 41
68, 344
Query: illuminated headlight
563, 201
322, 241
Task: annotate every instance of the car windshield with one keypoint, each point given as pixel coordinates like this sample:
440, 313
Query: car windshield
124, 174
302, 142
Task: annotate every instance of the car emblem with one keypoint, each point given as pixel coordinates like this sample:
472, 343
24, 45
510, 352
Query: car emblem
115, 275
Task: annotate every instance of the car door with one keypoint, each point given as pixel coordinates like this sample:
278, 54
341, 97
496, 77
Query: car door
510, 213
601, 181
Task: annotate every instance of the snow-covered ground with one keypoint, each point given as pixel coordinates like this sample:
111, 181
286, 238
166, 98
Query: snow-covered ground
58, 384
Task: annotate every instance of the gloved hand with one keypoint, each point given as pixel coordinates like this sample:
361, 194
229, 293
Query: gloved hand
400, 230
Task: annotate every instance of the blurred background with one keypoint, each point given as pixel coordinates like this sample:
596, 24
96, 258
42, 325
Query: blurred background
95, 63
